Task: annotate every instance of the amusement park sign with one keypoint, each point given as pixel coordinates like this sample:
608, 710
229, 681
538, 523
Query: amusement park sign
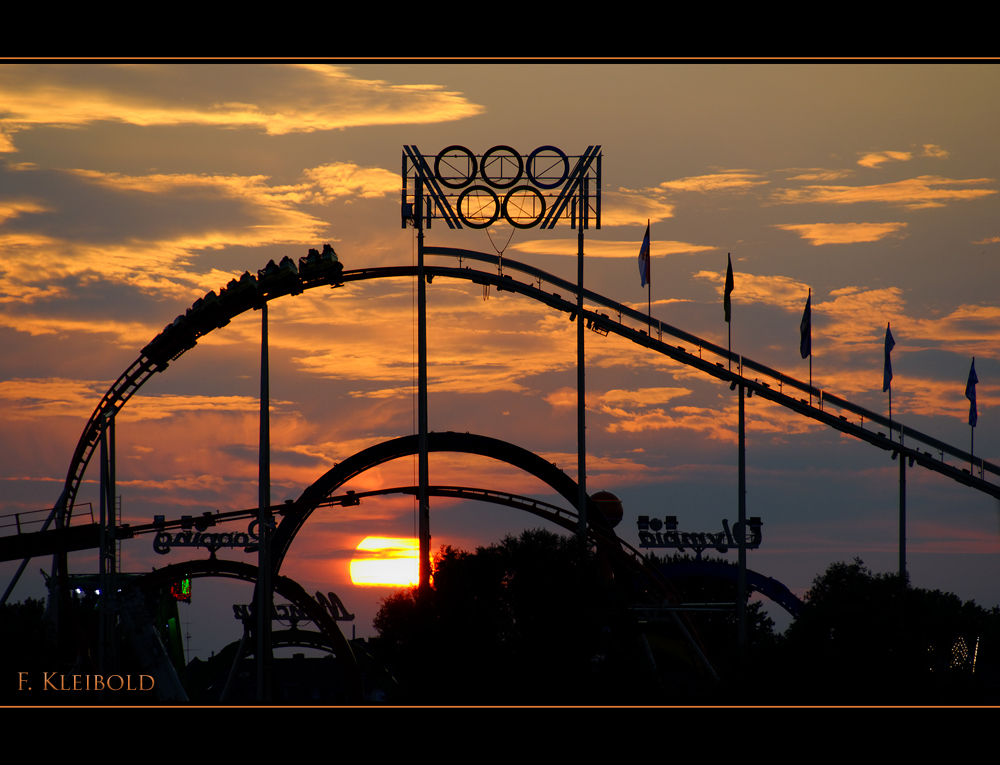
664, 534
525, 190
212, 540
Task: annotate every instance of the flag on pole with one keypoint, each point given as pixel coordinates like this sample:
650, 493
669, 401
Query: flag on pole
726, 302
887, 373
805, 329
970, 393
644, 258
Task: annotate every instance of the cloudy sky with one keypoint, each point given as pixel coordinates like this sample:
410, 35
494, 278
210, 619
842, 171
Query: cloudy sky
127, 192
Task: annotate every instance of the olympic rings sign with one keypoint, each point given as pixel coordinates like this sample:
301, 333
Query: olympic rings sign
477, 190
501, 168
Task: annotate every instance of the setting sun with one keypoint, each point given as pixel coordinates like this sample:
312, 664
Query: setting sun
386, 562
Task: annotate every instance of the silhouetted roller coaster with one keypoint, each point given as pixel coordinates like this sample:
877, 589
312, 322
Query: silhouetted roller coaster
250, 292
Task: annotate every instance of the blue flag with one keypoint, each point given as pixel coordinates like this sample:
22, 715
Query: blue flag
805, 329
970, 393
730, 285
644, 259
887, 373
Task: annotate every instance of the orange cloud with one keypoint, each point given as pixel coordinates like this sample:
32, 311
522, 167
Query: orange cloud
718, 424
256, 214
631, 208
774, 290
876, 158
127, 334
280, 99
14, 209
340, 179
842, 233
605, 249
489, 345
819, 174
933, 150
58, 397
642, 396
914, 193
51, 397
855, 316
729, 180
607, 471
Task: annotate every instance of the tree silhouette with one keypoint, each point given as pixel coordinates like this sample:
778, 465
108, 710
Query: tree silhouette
867, 638
531, 620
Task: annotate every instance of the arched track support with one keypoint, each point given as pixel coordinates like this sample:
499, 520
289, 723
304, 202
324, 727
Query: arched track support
296, 514
624, 560
287, 588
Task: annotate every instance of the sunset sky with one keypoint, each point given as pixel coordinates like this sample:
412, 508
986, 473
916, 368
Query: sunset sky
129, 191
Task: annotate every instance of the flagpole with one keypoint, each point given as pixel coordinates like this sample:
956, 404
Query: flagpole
645, 277
970, 393
805, 339
728, 305
890, 343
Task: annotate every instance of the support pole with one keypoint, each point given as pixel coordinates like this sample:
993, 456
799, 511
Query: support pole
890, 413
264, 593
741, 539
902, 511
581, 405
972, 453
107, 638
423, 467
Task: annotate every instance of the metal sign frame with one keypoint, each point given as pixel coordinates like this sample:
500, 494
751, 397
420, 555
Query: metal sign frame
478, 190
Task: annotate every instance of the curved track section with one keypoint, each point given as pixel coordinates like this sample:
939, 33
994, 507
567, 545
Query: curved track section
287, 588
765, 585
250, 292
625, 562
296, 514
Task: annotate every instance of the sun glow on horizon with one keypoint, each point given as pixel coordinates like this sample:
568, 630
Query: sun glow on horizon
386, 562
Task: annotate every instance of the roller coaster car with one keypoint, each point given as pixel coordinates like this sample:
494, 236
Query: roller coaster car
282, 278
176, 338
207, 314
239, 295
320, 267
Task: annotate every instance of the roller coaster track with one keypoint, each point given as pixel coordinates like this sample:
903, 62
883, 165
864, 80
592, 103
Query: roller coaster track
249, 292
603, 537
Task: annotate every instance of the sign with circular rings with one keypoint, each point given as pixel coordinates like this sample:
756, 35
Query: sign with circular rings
455, 167
541, 167
523, 206
480, 207
475, 190
501, 167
